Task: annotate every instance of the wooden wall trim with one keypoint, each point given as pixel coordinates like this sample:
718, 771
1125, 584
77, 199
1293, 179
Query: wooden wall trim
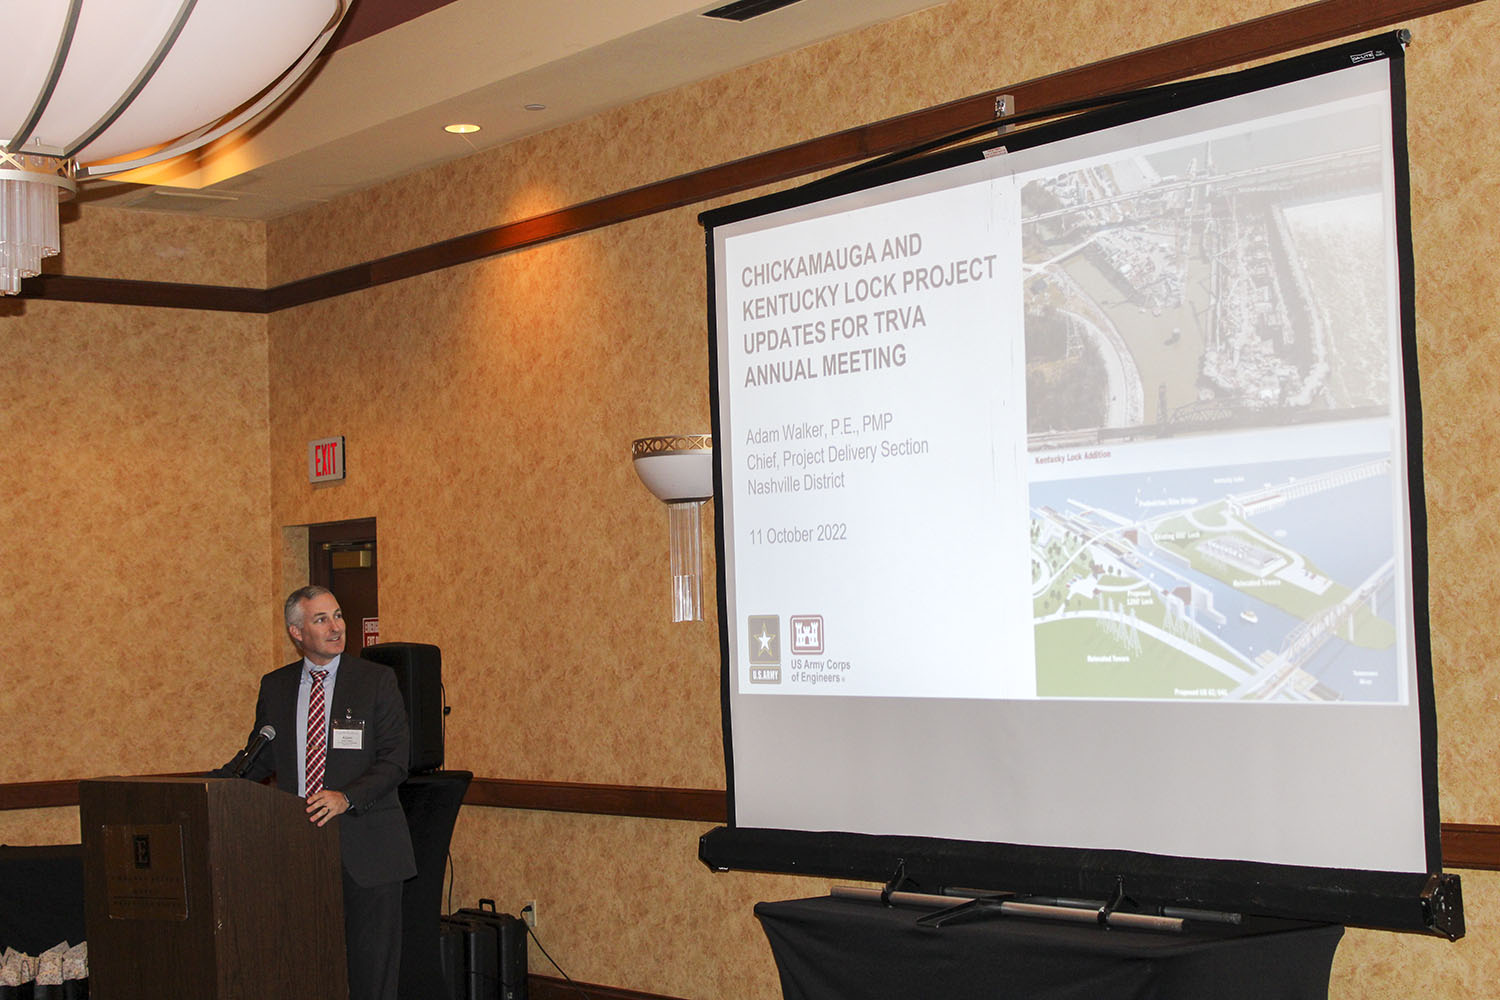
700, 805
1465, 845
1260, 38
161, 294
554, 988
38, 794
1471, 845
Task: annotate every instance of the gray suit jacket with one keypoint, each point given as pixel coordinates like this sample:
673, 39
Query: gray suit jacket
373, 836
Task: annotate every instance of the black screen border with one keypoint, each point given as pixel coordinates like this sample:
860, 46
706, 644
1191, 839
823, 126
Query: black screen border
1429, 901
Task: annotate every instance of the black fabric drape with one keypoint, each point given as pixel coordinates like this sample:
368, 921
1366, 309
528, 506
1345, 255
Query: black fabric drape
836, 949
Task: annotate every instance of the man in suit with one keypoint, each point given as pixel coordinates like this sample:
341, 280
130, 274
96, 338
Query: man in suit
361, 746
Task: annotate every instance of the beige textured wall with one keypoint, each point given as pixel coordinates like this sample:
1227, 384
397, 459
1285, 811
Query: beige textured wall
105, 242
134, 537
489, 434
491, 446
489, 411
945, 53
134, 528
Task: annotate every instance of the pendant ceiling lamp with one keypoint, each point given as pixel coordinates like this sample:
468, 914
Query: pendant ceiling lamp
98, 88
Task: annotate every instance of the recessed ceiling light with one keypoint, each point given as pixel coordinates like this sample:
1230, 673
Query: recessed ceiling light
535, 107
461, 129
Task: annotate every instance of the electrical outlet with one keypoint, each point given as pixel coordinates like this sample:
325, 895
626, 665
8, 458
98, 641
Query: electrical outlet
528, 913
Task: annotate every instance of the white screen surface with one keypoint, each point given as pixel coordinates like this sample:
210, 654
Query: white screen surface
1063, 494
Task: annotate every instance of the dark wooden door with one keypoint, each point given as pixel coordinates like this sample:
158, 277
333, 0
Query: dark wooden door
342, 556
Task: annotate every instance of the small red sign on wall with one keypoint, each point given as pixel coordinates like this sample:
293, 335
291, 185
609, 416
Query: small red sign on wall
325, 459
372, 631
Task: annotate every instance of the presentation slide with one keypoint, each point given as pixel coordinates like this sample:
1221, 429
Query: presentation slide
875, 521
1064, 493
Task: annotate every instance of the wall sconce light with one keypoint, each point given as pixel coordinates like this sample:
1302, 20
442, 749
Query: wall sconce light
679, 470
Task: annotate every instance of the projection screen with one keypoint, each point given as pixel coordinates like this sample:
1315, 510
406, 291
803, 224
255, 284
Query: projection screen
1070, 495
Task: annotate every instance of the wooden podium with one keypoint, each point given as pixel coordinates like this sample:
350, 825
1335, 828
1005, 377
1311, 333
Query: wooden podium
209, 889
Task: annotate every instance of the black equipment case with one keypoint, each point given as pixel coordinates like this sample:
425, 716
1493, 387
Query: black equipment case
494, 953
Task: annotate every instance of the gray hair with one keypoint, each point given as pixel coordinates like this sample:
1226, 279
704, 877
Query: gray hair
292, 612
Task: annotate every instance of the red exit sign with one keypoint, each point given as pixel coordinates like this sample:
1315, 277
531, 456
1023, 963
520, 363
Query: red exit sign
325, 460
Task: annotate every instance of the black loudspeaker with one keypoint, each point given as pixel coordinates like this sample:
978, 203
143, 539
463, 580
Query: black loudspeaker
419, 674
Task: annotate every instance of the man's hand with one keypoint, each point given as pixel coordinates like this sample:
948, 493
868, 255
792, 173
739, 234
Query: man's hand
325, 805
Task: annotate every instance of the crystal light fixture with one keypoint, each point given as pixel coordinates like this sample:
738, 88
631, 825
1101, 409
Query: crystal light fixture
679, 470
31, 185
128, 83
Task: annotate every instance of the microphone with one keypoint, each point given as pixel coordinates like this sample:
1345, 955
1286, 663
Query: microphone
246, 757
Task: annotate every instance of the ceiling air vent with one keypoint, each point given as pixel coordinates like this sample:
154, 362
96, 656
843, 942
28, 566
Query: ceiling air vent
744, 10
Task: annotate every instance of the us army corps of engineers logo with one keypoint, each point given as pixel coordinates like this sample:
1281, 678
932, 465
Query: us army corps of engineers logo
807, 634
765, 649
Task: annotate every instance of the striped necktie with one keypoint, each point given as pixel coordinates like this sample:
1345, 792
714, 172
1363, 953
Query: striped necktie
317, 734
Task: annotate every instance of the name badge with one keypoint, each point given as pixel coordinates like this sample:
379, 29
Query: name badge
348, 734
